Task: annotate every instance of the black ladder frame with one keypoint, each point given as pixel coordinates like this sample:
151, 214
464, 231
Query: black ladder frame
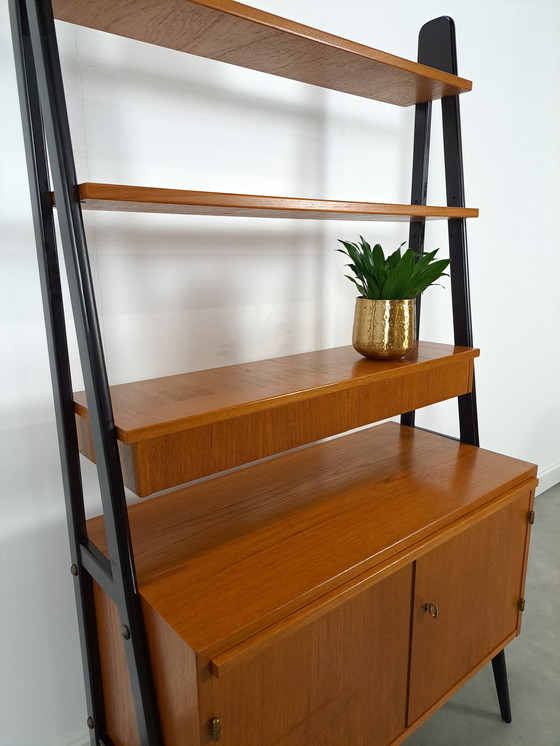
437, 47
49, 150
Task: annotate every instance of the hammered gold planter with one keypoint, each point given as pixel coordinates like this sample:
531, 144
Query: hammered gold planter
384, 329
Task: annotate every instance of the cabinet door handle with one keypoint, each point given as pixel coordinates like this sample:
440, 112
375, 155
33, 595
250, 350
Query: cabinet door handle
432, 610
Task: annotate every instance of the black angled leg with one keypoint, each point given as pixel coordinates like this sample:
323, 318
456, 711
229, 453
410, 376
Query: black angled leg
49, 148
500, 677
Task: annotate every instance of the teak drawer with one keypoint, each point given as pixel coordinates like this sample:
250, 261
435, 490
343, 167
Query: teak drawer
176, 429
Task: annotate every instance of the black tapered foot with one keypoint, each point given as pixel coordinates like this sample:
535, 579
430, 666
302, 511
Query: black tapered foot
500, 677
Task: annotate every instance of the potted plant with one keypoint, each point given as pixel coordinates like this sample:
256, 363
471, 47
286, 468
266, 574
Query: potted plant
385, 315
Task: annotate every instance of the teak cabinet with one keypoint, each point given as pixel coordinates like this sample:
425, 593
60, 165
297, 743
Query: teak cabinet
287, 600
335, 594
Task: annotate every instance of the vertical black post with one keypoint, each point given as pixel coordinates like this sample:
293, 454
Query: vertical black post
419, 192
41, 78
437, 48
437, 37
49, 273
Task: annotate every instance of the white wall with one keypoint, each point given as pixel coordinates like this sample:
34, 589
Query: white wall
178, 293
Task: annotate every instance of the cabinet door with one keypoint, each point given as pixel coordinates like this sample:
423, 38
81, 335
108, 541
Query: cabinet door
474, 582
340, 679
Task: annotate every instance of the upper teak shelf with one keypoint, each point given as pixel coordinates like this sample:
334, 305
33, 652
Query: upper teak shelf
188, 202
240, 35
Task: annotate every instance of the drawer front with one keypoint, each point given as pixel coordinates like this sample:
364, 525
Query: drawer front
466, 602
341, 679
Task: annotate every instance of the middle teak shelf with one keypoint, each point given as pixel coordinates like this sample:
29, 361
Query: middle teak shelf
175, 429
118, 197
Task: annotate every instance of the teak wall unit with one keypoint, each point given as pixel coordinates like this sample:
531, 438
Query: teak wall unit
334, 595
278, 599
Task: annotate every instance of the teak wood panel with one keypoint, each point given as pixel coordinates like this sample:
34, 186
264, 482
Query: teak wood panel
426, 716
341, 679
185, 202
176, 429
177, 679
238, 34
254, 645
476, 580
161, 406
223, 559
117, 696
278, 671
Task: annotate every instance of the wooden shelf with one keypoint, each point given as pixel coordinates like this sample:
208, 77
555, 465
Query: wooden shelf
231, 32
224, 559
178, 428
186, 202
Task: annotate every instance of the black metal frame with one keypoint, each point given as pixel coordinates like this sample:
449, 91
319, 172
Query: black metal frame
437, 48
48, 146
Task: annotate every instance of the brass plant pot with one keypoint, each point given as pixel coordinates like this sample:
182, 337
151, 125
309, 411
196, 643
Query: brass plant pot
384, 329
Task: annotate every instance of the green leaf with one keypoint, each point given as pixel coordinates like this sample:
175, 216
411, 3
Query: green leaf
361, 289
427, 276
398, 276
395, 258
380, 269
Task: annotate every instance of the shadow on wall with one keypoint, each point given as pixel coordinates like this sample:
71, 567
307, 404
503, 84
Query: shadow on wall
194, 293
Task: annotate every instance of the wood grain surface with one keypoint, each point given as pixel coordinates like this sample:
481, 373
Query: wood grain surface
181, 201
174, 668
161, 406
182, 427
475, 579
426, 716
238, 34
223, 559
341, 679
117, 694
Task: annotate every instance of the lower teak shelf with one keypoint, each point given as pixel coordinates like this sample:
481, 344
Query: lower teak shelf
278, 598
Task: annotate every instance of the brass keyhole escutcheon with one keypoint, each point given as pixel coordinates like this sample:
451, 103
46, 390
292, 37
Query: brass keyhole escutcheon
216, 728
432, 609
